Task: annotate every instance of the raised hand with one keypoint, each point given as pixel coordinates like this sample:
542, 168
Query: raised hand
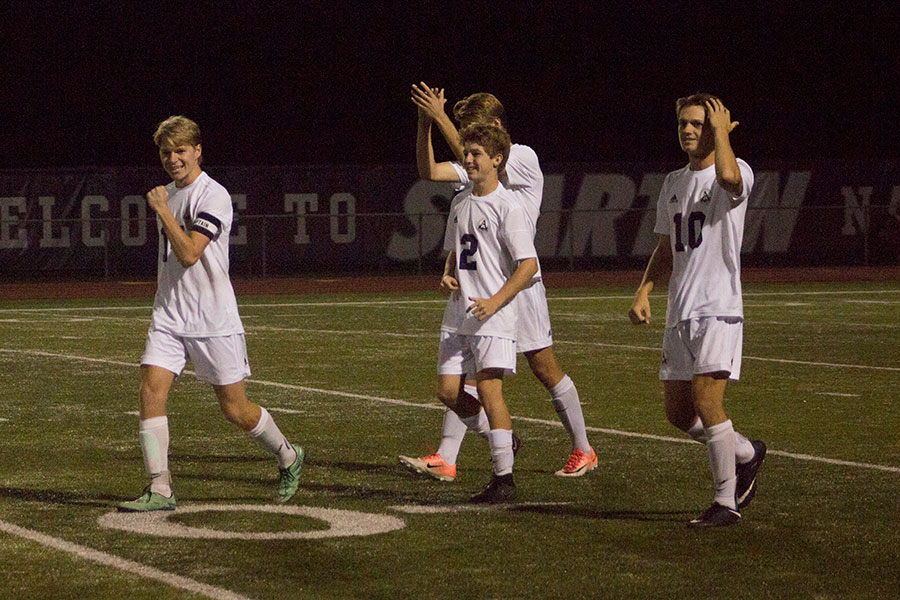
430, 101
719, 116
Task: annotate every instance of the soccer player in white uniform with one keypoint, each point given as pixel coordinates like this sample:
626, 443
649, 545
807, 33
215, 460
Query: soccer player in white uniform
491, 259
700, 222
195, 316
523, 177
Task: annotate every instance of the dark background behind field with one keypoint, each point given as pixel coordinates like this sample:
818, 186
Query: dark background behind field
327, 82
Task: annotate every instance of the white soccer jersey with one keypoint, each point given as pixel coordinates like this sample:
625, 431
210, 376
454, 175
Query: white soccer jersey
524, 179
197, 301
705, 224
490, 235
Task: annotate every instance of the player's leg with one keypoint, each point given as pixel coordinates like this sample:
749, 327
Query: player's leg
262, 428
162, 360
222, 361
564, 395
501, 488
534, 338
493, 358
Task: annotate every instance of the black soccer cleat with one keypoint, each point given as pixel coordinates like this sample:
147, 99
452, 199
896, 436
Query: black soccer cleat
716, 516
746, 475
500, 489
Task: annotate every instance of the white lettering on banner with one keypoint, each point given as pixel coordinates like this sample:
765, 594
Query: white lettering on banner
771, 217
296, 204
125, 207
645, 240
335, 210
855, 209
419, 208
10, 221
86, 234
601, 199
547, 237
47, 239
239, 233
894, 207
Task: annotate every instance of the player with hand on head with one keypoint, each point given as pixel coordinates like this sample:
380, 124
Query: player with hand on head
700, 221
524, 179
195, 316
491, 259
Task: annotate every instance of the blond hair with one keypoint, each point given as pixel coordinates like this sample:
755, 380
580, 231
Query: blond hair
177, 130
479, 108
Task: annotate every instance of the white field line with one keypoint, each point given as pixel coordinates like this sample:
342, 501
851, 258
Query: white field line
440, 300
435, 406
122, 564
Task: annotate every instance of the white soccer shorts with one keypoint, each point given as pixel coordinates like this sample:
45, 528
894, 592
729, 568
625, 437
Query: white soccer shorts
220, 360
533, 330
703, 345
469, 354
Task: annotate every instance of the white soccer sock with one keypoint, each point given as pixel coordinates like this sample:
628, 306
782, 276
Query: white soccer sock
568, 409
697, 432
154, 435
501, 450
267, 434
743, 449
720, 446
479, 424
452, 433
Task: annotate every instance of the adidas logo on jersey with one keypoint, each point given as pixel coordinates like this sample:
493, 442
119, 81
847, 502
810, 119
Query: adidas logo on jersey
483, 225
705, 196
673, 199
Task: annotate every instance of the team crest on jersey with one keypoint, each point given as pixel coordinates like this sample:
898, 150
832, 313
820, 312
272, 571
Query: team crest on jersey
673, 199
483, 225
455, 219
705, 196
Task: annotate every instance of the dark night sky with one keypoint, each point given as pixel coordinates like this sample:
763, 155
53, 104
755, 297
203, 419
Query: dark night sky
84, 83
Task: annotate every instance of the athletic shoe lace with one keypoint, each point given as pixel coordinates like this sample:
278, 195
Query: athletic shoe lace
574, 458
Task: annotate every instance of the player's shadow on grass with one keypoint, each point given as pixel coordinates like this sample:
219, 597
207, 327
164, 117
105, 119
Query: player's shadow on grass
58, 497
585, 512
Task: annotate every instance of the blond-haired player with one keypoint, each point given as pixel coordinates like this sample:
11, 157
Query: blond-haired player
522, 177
700, 222
195, 316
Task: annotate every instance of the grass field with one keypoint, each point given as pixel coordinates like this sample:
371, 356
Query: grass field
351, 378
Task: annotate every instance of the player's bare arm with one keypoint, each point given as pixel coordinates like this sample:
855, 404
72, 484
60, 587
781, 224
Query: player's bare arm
431, 102
188, 247
728, 174
425, 163
449, 283
658, 269
482, 308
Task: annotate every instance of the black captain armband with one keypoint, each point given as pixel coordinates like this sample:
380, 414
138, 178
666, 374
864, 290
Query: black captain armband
208, 225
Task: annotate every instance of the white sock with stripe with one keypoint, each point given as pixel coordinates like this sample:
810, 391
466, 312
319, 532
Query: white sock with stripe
154, 436
267, 435
743, 449
453, 431
501, 450
720, 446
568, 409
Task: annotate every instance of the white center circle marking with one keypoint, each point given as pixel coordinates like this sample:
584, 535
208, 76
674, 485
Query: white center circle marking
342, 523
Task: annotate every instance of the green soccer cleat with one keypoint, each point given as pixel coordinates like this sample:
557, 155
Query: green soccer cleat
289, 478
148, 502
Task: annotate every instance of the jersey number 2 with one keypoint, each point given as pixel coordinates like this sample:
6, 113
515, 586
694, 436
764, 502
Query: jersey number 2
470, 245
695, 230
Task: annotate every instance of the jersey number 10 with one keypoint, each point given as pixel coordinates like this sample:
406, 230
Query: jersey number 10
694, 230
